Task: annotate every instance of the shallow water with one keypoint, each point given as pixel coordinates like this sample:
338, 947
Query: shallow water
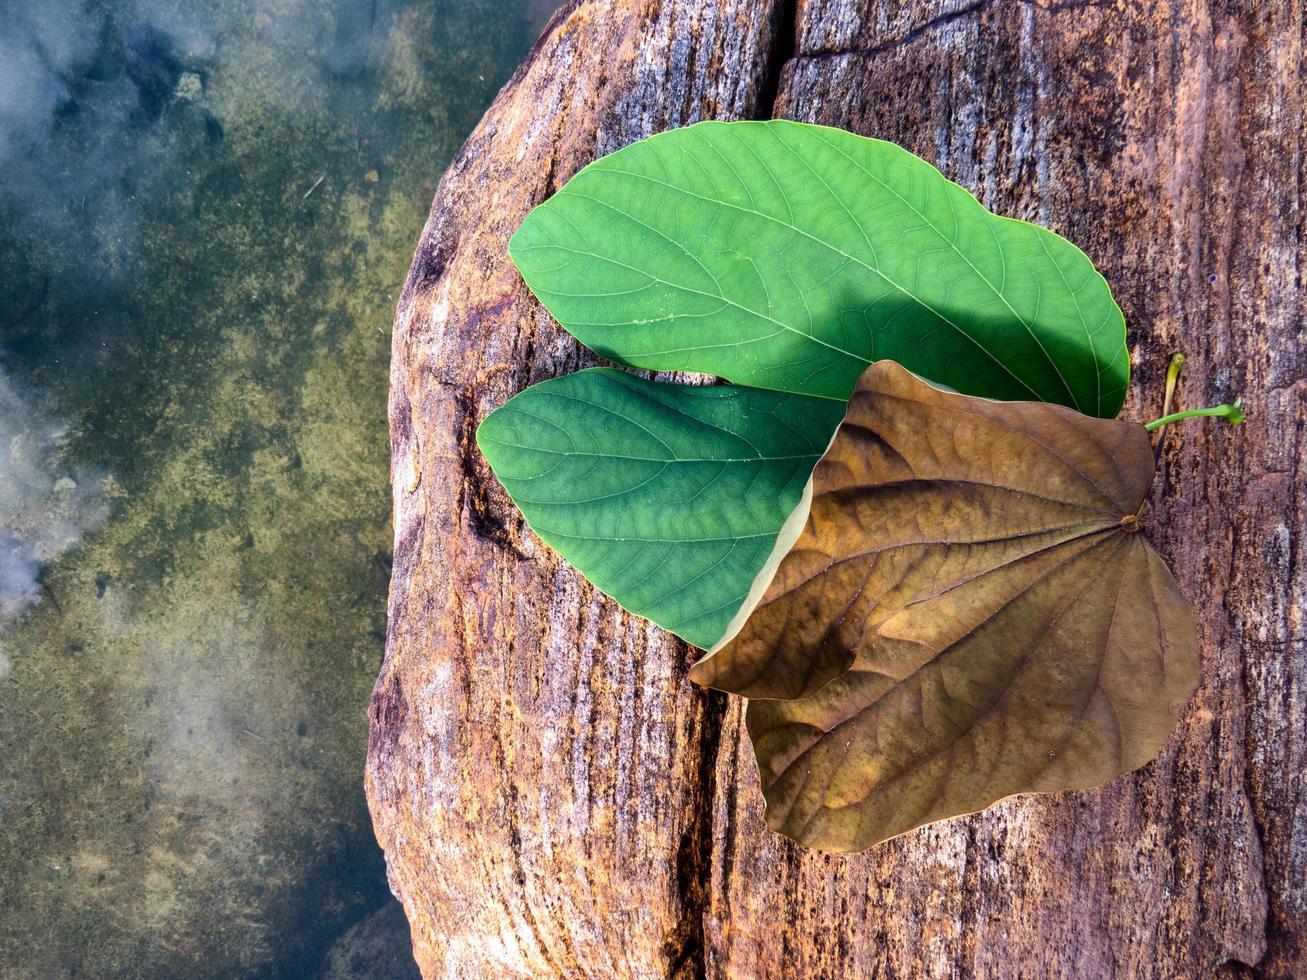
206, 212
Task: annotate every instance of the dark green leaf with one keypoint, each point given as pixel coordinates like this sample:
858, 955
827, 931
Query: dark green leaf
667, 497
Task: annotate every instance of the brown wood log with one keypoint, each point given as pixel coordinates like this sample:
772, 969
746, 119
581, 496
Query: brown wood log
555, 799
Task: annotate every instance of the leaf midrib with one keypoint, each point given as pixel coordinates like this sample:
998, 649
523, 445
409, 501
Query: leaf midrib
650, 459
1002, 698
998, 246
616, 540
797, 230
916, 765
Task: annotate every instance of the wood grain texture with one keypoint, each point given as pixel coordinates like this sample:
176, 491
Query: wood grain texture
556, 799
538, 764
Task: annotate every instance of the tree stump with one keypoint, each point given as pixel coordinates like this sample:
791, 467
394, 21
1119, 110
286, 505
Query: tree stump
555, 799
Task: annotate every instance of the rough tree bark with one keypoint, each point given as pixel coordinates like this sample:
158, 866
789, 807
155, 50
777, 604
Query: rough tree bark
555, 799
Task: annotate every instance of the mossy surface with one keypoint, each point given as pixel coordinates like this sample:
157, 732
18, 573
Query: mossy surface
195, 342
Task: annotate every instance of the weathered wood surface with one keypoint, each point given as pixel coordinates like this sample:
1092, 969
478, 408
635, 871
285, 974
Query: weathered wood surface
554, 797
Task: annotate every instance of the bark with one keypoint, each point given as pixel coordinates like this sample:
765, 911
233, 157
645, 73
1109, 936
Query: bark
555, 798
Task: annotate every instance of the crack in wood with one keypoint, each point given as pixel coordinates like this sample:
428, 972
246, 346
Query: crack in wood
687, 948
784, 39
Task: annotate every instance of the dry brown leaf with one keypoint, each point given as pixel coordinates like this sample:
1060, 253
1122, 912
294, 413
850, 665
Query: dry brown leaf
969, 612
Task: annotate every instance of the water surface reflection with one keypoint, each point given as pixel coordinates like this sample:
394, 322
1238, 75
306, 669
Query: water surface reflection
206, 212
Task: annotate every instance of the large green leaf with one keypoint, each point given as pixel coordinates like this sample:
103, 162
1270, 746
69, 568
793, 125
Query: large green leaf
667, 497
790, 257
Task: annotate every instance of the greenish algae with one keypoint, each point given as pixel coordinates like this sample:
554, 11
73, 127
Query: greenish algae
183, 694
